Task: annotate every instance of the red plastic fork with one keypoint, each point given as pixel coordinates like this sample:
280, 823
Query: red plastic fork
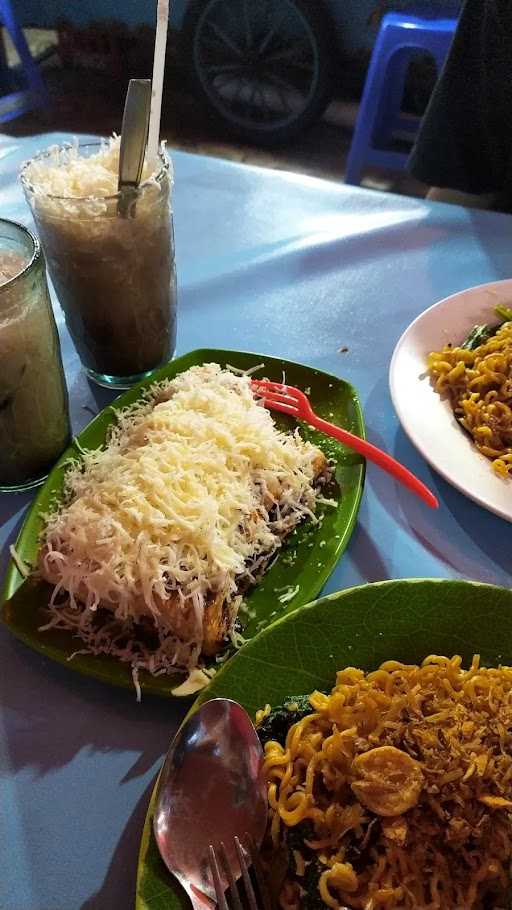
289, 400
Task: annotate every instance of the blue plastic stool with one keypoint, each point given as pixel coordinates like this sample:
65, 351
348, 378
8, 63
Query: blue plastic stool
13, 104
401, 37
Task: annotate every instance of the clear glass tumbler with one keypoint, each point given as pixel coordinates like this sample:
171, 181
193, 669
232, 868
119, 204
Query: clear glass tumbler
114, 272
34, 418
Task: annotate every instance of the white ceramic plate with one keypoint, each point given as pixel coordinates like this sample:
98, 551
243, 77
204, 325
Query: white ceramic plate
428, 421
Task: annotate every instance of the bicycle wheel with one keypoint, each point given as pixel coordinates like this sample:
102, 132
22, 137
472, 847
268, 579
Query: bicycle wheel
262, 67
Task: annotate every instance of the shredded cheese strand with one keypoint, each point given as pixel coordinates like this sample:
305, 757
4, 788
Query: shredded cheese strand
194, 490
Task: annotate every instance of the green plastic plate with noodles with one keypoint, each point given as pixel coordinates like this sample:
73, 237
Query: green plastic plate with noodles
301, 569
404, 620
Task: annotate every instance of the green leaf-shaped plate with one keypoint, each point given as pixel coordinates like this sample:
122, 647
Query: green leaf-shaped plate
306, 561
361, 627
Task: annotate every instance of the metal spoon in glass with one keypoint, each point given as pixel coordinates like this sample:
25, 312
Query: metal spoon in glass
134, 136
210, 790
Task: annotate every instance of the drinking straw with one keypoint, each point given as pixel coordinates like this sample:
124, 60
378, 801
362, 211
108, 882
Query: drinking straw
162, 20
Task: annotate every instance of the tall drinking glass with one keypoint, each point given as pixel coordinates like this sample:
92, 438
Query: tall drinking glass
34, 419
112, 263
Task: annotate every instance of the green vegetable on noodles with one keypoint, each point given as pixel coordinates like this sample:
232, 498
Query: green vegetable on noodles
276, 725
504, 311
479, 334
311, 899
296, 837
309, 871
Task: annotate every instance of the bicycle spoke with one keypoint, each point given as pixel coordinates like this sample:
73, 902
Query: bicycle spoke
249, 99
226, 40
280, 83
219, 68
227, 80
256, 93
240, 87
213, 44
264, 107
248, 29
289, 54
241, 100
279, 92
301, 68
271, 33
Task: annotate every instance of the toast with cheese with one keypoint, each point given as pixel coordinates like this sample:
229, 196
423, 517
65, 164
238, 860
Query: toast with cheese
181, 511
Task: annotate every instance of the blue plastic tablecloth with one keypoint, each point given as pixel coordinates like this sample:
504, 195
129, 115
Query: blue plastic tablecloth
285, 265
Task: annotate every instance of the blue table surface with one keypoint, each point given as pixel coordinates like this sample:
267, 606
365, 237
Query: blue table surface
285, 265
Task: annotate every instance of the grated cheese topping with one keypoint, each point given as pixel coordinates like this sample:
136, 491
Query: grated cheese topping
196, 680
193, 491
67, 183
64, 172
20, 564
289, 594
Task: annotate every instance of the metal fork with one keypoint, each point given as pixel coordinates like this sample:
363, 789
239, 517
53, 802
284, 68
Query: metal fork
222, 869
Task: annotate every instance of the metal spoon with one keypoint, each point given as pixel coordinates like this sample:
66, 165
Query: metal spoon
134, 137
210, 789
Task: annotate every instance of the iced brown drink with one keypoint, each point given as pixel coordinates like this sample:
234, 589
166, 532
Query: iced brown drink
34, 422
112, 264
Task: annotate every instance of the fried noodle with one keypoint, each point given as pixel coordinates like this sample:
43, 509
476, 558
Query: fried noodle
404, 777
479, 386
